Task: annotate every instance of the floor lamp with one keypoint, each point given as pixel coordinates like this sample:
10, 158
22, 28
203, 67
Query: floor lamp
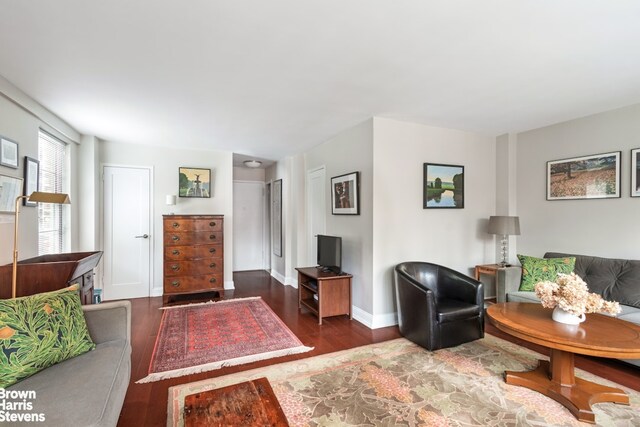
38, 197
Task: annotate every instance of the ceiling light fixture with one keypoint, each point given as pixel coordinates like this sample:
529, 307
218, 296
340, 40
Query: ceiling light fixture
252, 163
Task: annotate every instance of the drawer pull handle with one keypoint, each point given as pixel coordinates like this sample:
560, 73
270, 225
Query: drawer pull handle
175, 238
212, 280
175, 252
212, 237
212, 223
175, 267
175, 283
176, 225
212, 250
212, 265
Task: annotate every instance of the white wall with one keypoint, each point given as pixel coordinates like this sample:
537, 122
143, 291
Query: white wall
20, 120
351, 151
599, 227
165, 163
248, 174
403, 230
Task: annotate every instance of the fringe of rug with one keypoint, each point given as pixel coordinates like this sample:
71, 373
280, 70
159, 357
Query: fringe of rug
157, 376
209, 302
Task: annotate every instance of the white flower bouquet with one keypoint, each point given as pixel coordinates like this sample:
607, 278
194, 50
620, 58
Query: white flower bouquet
570, 293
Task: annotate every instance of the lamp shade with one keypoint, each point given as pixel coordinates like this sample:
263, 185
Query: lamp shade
170, 199
504, 225
43, 197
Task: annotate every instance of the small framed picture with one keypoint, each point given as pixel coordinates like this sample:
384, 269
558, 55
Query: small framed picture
10, 190
345, 194
8, 153
194, 182
596, 176
635, 172
443, 186
31, 178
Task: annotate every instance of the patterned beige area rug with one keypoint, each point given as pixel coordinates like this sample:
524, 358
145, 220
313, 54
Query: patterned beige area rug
399, 383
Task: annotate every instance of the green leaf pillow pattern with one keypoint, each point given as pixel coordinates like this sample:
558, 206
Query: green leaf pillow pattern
40, 330
536, 270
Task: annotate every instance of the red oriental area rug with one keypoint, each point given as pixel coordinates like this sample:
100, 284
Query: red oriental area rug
203, 337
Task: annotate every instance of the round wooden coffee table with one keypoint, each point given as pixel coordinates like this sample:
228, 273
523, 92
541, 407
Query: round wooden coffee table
599, 335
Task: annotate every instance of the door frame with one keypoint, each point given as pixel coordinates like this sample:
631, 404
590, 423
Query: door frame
152, 225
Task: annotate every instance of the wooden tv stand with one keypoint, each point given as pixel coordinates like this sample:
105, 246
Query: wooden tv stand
324, 293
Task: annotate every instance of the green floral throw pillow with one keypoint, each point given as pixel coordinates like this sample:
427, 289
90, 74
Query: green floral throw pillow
40, 330
536, 270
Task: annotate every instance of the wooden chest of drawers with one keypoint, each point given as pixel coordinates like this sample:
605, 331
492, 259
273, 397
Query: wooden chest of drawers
193, 254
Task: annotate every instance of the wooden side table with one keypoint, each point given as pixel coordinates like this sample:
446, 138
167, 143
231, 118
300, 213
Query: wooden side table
489, 269
325, 294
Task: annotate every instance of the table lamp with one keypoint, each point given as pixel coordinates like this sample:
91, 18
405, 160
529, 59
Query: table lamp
38, 197
170, 200
504, 226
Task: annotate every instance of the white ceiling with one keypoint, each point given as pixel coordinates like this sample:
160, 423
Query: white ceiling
273, 78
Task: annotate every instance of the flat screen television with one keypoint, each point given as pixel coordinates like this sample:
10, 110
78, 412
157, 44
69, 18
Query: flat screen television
330, 253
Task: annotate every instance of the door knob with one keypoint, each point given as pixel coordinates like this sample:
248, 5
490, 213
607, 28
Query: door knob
144, 236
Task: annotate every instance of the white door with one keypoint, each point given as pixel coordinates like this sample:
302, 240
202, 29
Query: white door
316, 211
248, 225
127, 232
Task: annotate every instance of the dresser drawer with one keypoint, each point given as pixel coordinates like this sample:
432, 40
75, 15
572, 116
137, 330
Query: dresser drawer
192, 237
201, 266
205, 282
193, 224
179, 253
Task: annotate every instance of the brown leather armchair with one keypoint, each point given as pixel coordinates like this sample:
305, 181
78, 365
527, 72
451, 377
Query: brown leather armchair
438, 307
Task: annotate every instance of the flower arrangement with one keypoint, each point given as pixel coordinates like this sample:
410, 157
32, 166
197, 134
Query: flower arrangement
570, 293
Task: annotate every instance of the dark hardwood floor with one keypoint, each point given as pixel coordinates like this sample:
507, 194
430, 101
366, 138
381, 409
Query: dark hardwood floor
146, 404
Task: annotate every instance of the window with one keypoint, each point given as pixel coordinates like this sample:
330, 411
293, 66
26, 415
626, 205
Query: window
51, 221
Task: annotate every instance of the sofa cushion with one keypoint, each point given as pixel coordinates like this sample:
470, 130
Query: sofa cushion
613, 279
40, 330
522, 296
536, 270
87, 390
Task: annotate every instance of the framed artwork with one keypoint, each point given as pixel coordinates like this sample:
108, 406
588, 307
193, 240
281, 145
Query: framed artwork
194, 182
10, 189
443, 186
276, 217
588, 177
345, 194
635, 172
8, 153
31, 178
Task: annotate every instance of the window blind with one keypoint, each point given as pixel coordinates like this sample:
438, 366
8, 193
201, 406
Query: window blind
52, 156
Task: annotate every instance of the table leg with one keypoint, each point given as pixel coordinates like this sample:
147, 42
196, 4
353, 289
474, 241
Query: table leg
556, 379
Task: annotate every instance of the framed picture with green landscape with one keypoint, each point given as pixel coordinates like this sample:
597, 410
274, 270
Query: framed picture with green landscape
443, 186
194, 182
595, 176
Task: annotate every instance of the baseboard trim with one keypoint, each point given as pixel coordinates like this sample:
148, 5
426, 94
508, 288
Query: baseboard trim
156, 292
229, 284
374, 322
279, 277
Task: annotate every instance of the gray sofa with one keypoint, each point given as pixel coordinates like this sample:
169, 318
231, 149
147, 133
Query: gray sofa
614, 279
87, 390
